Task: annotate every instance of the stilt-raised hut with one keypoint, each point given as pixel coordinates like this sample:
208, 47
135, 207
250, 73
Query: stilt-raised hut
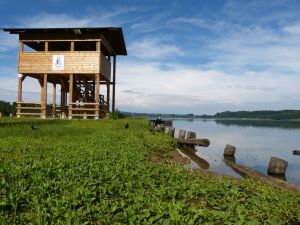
77, 59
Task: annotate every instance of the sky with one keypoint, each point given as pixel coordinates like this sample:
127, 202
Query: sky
198, 57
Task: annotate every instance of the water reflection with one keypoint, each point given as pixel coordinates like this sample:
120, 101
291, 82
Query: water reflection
261, 123
256, 142
190, 153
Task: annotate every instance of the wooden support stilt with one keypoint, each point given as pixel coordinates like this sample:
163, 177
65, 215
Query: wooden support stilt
97, 93
44, 96
71, 95
108, 93
62, 105
63, 99
114, 84
19, 95
54, 101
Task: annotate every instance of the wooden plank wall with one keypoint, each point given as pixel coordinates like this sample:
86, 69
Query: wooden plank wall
75, 62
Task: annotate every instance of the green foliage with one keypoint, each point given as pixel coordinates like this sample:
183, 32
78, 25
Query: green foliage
265, 114
116, 115
6, 108
98, 172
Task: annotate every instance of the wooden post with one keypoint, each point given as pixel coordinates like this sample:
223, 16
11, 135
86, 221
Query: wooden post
62, 102
63, 99
21, 47
44, 97
171, 131
277, 166
70, 95
97, 93
54, 101
108, 93
229, 150
98, 45
72, 46
191, 135
46, 46
19, 95
181, 134
114, 85
296, 152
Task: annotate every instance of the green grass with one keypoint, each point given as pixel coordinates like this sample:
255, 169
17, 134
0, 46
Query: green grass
98, 172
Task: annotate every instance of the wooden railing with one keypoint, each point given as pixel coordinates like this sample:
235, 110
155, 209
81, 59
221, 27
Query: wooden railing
88, 109
29, 109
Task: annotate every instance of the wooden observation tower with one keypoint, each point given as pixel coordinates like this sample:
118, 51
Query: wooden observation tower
80, 60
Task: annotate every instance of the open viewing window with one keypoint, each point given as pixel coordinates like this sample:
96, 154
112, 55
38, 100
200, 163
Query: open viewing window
59, 46
84, 46
34, 46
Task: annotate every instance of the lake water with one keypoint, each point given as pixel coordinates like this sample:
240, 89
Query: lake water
256, 142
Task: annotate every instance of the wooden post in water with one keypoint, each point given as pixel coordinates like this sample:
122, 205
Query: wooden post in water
296, 152
229, 150
171, 131
277, 166
181, 134
191, 135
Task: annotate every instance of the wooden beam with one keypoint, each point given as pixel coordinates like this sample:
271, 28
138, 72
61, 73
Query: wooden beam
23, 77
70, 95
54, 101
114, 85
107, 45
44, 96
97, 93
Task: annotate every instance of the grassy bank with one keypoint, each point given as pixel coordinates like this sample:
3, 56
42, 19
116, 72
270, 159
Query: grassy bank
98, 172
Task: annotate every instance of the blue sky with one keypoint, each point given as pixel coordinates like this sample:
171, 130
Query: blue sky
183, 56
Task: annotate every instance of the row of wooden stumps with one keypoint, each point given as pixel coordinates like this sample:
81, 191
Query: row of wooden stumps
188, 138
276, 166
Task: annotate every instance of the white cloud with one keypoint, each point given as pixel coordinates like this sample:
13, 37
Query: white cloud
248, 65
293, 29
184, 89
90, 18
154, 48
8, 42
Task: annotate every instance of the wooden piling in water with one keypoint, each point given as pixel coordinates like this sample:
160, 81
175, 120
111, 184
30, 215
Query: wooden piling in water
171, 131
229, 150
296, 152
191, 135
277, 166
181, 134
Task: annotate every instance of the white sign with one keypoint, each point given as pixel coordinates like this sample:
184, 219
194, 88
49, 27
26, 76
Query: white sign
58, 62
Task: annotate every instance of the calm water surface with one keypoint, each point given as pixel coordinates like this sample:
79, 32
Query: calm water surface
256, 143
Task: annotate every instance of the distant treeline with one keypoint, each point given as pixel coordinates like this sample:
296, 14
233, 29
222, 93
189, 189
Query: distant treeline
6, 108
264, 114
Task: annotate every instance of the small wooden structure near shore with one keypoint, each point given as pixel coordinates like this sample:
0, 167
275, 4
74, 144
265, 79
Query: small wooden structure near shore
80, 60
